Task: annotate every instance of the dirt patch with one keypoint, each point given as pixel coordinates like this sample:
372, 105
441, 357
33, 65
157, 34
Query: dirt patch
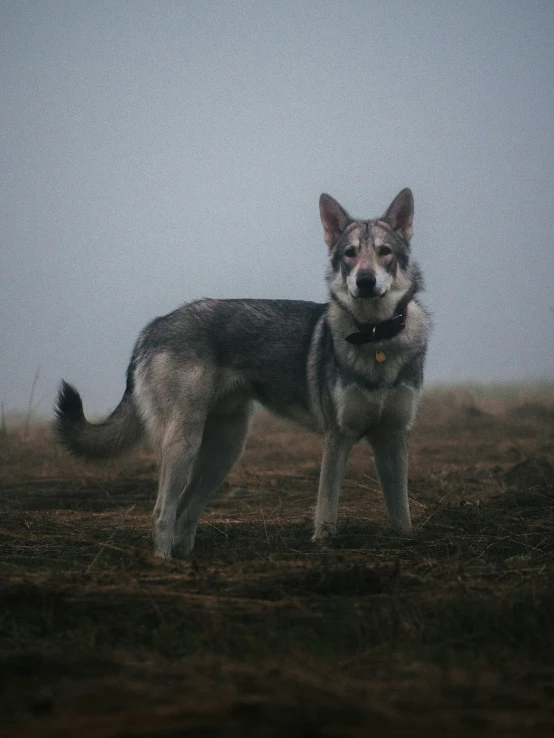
263, 632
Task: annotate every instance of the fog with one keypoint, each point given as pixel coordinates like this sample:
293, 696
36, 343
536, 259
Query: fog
157, 152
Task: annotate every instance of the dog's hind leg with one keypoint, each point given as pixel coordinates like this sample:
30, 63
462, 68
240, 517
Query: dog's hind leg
336, 450
179, 450
390, 450
222, 443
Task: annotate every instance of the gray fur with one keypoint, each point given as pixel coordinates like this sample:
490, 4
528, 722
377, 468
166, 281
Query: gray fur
195, 373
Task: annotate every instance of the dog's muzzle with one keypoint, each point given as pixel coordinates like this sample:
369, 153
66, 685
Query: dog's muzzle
366, 283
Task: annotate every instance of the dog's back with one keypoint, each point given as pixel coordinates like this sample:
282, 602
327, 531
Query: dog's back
254, 348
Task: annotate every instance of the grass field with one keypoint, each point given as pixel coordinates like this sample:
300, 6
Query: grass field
263, 633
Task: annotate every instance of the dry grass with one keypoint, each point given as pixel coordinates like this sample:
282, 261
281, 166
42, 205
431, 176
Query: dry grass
263, 633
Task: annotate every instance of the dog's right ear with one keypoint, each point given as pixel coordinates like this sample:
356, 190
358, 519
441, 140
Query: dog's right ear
334, 218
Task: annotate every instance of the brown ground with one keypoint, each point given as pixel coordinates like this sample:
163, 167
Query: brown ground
262, 633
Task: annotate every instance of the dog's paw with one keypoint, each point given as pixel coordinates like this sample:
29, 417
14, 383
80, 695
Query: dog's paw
324, 537
323, 544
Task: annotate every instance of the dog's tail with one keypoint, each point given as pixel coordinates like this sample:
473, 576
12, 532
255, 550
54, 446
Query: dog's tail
96, 441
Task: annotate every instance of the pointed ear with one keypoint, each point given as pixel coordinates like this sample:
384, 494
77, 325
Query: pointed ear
334, 219
400, 215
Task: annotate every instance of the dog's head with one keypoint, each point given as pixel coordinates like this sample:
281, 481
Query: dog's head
369, 258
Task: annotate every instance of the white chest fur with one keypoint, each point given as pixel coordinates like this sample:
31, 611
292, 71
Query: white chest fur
360, 411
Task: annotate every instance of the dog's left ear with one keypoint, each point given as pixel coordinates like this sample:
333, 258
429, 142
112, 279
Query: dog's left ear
334, 218
400, 215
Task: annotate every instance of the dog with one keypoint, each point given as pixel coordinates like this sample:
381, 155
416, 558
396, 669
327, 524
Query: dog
351, 369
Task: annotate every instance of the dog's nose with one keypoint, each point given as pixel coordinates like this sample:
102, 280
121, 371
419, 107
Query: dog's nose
365, 282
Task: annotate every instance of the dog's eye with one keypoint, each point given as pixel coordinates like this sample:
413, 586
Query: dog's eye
350, 252
384, 251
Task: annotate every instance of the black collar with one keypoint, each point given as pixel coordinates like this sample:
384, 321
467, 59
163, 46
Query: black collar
374, 332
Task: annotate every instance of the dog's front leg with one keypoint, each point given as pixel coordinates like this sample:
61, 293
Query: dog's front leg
336, 449
390, 448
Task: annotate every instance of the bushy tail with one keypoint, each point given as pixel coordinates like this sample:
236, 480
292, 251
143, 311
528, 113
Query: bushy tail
95, 441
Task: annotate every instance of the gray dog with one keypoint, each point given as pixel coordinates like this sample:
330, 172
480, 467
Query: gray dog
350, 369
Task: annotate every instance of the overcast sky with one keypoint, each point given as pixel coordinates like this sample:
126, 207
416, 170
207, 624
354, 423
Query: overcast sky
157, 152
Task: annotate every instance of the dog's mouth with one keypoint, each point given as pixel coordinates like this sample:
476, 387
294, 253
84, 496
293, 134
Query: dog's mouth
372, 296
